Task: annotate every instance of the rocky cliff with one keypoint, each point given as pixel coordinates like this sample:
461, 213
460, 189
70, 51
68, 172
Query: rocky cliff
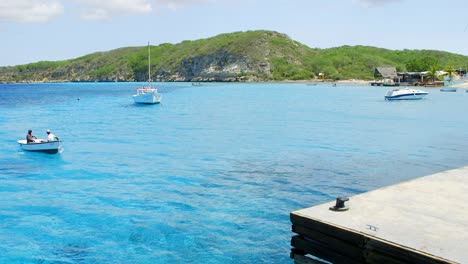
222, 58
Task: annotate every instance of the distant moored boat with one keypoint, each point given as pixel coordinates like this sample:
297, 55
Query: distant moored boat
147, 94
448, 89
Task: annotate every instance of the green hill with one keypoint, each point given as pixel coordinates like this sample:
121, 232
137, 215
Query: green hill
239, 56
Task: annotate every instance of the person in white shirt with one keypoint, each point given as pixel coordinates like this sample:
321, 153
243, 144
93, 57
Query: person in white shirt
50, 136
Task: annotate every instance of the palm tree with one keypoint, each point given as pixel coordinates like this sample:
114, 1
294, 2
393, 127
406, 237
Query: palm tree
450, 71
432, 73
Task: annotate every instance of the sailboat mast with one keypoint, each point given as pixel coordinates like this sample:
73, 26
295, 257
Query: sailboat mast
149, 63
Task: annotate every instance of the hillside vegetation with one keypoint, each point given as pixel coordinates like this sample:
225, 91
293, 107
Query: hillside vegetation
239, 56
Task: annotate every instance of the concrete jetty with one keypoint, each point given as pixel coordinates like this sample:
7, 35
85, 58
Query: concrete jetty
424, 220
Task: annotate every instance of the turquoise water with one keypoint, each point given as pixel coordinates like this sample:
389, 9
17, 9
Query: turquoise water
211, 174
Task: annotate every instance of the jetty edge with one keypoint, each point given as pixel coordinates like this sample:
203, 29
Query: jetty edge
424, 220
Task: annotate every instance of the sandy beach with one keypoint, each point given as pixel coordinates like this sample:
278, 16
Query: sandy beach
461, 85
354, 82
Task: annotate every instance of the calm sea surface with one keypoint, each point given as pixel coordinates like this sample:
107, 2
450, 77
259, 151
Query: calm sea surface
211, 174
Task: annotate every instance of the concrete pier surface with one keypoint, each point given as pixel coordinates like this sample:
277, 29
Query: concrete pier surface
425, 219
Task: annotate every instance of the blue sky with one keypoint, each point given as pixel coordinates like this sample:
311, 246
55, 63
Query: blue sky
35, 30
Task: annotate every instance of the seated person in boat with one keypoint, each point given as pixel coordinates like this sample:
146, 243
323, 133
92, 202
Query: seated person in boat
50, 136
29, 137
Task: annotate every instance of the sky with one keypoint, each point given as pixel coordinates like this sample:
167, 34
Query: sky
52, 30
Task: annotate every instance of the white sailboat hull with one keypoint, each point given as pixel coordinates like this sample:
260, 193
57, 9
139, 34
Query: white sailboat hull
41, 145
149, 97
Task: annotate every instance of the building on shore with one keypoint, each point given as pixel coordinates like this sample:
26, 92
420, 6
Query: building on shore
410, 78
388, 76
385, 76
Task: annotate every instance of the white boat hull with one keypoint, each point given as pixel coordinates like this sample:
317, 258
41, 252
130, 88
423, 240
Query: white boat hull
405, 94
41, 145
147, 98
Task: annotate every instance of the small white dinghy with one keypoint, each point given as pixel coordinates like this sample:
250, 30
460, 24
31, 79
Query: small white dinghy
42, 145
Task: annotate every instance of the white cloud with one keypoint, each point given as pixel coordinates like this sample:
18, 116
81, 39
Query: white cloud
29, 11
44, 10
371, 3
105, 9
95, 14
176, 4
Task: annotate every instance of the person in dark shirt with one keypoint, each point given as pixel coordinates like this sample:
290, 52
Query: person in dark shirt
29, 137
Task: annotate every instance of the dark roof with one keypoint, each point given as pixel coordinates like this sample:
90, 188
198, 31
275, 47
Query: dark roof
385, 72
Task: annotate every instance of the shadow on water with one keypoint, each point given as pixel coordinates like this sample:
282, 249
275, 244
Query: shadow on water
70, 253
26, 163
135, 105
41, 155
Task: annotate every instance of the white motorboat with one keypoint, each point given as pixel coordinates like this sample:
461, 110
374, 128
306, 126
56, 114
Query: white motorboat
405, 94
147, 94
41, 145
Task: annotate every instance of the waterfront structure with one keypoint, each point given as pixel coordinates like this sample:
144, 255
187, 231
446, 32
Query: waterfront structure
385, 76
417, 221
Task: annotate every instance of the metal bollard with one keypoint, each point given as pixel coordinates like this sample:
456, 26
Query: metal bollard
340, 204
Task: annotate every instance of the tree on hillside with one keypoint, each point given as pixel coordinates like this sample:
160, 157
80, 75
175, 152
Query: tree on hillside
421, 64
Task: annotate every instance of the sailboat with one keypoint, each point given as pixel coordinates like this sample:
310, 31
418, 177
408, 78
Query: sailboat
147, 94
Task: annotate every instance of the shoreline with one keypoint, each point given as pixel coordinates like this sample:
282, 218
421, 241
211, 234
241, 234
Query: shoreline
350, 82
463, 85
